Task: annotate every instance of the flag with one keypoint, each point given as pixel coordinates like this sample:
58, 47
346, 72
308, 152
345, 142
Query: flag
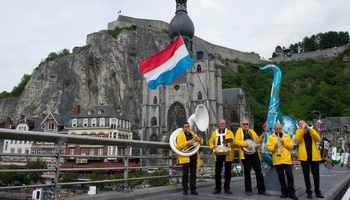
119, 11
165, 66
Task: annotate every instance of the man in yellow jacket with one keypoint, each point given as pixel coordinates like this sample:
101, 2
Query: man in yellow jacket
222, 137
250, 159
309, 156
281, 144
189, 163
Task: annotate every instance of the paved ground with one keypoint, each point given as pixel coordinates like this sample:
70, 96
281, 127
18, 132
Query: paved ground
332, 182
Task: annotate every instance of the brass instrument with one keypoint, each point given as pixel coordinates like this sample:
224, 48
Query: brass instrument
190, 147
201, 119
279, 145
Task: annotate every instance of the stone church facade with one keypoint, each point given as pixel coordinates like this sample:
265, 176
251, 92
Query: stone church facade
166, 108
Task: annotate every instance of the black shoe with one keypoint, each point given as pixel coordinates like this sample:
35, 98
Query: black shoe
309, 196
216, 191
194, 192
319, 195
228, 191
185, 193
284, 195
293, 196
248, 193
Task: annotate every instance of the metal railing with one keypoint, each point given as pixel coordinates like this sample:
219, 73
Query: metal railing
166, 161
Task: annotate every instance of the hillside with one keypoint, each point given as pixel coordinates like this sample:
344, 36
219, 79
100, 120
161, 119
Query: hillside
306, 85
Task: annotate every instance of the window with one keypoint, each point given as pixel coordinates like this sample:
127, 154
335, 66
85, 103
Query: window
36, 151
85, 122
26, 151
154, 121
19, 151
100, 152
71, 151
114, 150
199, 68
93, 122
50, 126
92, 152
114, 123
83, 152
155, 100
199, 96
74, 123
102, 122
6, 145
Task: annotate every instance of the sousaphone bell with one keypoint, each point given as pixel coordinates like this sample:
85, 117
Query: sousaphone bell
201, 119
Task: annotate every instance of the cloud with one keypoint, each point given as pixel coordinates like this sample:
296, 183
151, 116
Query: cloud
31, 30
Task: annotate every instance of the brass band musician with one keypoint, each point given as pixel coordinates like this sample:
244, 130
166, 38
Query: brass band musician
222, 137
250, 160
281, 144
309, 156
189, 163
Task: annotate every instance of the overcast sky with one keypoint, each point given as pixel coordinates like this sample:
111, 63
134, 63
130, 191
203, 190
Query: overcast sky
31, 30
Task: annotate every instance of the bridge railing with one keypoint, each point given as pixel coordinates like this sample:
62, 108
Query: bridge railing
164, 161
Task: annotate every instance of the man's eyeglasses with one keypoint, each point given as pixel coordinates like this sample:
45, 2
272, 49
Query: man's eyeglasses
245, 124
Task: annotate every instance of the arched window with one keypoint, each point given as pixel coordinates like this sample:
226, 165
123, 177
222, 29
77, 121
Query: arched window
154, 121
153, 138
199, 96
155, 100
176, 116
199, 68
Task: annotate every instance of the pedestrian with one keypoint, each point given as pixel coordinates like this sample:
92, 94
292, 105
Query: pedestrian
189, 163
281, 144
250, 156
222, 137
309, 156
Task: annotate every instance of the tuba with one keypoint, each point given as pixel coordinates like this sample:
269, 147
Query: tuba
201, 119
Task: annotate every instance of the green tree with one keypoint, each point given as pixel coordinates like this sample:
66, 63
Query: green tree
67, 176
98, 175
38, 164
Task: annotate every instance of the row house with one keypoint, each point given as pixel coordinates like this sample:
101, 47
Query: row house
20, 147
106, 121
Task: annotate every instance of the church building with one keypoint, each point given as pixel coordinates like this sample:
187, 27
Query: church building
166, 108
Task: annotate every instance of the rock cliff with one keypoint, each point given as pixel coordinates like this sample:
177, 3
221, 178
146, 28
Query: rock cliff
105, 71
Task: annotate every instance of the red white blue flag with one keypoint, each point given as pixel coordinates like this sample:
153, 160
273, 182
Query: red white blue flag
165, 66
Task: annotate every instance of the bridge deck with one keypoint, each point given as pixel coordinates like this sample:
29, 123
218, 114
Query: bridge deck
331, 185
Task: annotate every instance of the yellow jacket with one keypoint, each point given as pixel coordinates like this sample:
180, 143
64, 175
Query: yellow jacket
239, 141
299, 137
181, 143
286, 147
212, 144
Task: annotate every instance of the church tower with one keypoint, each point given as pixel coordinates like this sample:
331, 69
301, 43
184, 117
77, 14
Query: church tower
168, 107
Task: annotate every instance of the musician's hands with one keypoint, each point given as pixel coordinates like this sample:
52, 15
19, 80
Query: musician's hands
263, 134
190, 142
197, 139
249, 146
280, 140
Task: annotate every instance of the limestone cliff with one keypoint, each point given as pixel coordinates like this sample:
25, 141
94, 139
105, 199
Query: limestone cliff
105, 71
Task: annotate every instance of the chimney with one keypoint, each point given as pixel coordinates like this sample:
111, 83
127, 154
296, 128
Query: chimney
21, 117
77, 109
43, 115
